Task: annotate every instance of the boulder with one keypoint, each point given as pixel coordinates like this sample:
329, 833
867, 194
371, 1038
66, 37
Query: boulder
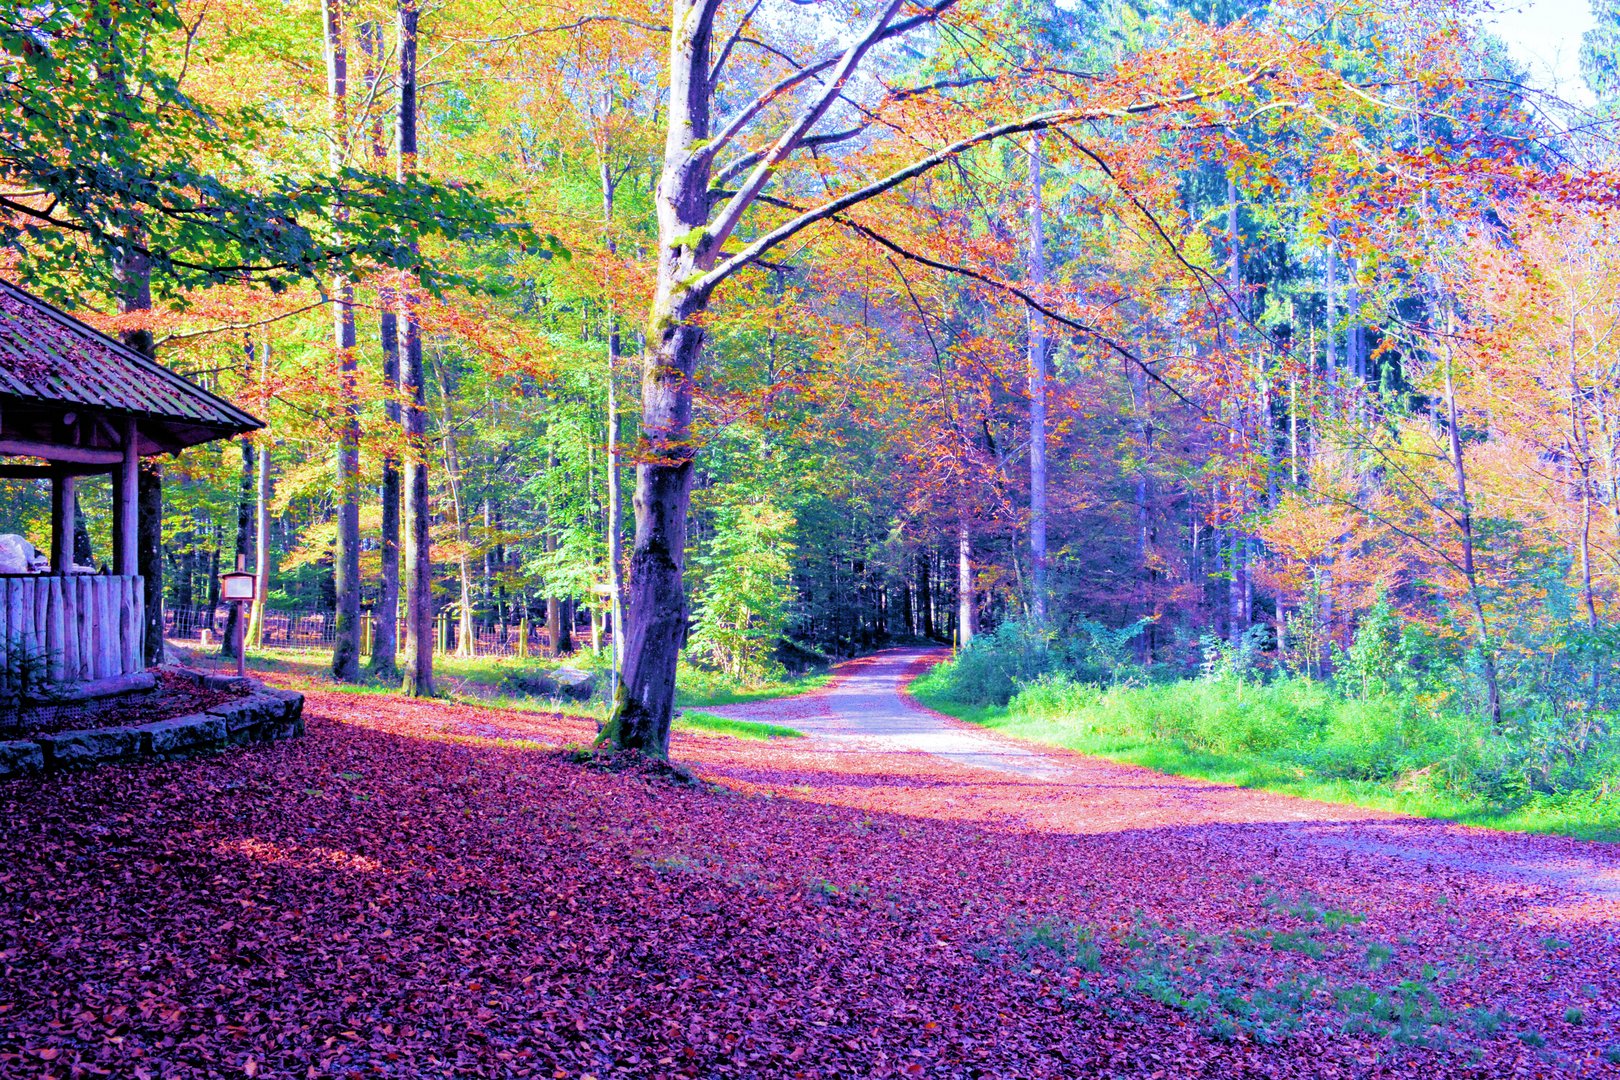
574, 684
564, 682
21, 758
183, 735
92, 746
17, 556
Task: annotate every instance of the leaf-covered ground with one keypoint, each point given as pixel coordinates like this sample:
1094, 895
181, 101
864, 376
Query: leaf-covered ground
424, 889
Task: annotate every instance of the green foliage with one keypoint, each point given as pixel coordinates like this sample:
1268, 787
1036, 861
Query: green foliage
1406, 751
124, 162
1378, 656
1000, 663
1399, 724
745, 598
1239, 662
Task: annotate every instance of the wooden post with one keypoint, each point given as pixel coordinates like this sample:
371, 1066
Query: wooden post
523, 638
126, 505
368, 633
62, 487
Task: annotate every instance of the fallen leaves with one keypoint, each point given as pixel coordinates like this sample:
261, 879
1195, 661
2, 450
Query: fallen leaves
413, 890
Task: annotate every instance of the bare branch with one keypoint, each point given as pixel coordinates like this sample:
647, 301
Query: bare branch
731, 213
583, 20
1038, 122
815, 141
731, 43
882, 33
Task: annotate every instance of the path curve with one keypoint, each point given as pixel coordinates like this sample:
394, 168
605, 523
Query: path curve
865, 709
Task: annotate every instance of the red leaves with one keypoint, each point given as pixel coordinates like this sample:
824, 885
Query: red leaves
404, 892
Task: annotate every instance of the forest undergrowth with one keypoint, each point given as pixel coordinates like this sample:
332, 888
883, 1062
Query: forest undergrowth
1397, 724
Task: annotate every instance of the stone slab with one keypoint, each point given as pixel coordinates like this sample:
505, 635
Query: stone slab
183, 735
92, 746
247, 719
21, 758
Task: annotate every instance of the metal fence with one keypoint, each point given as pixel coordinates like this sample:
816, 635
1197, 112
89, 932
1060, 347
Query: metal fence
317, 630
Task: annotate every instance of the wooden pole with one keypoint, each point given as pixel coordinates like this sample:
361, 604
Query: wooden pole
62, 485
126, 506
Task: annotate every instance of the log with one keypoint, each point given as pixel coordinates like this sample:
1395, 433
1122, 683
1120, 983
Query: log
30, 635
138, 638
94, 688
42, 625
55, 639
106, 630
7, 676
70, 630
127, 624
83, 455
94, 620
86, 633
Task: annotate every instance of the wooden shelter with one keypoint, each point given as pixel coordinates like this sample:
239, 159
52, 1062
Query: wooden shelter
79, 403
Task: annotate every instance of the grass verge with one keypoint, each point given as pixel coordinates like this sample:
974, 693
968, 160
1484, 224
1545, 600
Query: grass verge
1136, 725
741, 729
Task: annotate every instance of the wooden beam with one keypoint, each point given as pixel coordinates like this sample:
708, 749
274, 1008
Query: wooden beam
10, 471
83, 455
126, 503
62, 523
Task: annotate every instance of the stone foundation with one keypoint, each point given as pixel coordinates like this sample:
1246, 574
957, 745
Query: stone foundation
263, 716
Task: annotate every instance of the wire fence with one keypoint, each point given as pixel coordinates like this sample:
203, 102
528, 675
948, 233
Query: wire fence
318, 630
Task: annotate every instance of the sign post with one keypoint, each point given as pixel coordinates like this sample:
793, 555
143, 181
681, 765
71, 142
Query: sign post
239, 587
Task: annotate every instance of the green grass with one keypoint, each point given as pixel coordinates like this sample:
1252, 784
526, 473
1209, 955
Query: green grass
741, 729
486, 680
696, 688
1292, 738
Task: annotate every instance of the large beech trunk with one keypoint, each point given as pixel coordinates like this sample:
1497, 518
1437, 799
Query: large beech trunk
690, 242
656, 624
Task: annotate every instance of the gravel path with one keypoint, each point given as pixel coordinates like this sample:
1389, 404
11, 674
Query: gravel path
865, 710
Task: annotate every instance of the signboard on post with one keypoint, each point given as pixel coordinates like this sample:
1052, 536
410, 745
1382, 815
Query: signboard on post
240, 586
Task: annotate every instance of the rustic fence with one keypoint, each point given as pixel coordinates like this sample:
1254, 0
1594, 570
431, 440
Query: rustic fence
317, 630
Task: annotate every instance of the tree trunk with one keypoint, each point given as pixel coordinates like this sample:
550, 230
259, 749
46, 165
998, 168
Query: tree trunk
925, 598
244, 530
1038, 349
418, 550
458, 506
346, 557
615, 500
261, 546
1465, 526
967, 618
135, 294
83, 553
385, 613
656, 624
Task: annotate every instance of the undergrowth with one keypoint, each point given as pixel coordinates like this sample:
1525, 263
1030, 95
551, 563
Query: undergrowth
1411, 750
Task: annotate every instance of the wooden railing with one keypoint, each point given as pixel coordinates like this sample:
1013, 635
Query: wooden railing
80, 628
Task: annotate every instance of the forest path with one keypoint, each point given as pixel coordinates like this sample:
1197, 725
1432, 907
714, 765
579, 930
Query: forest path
865, 710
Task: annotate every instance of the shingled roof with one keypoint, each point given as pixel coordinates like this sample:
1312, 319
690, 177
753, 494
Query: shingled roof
51, 363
